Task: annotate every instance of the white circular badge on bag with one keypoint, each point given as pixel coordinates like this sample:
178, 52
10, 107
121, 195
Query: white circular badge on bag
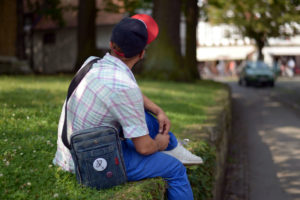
100, 164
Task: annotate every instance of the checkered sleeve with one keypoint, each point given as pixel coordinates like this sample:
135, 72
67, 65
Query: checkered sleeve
128, 108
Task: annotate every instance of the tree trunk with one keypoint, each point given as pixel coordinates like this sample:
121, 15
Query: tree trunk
163, 59
31, 47
86, 31
190, 60
260, 43
20, 44
167, 15
8, 30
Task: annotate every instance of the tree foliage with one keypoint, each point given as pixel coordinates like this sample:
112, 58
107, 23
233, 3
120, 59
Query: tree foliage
50, 8
258, 20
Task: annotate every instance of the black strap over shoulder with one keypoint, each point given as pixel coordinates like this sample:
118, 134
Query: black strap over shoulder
73, 85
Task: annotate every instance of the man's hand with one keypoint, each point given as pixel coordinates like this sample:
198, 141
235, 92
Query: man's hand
145, 145
164, 123
162, 140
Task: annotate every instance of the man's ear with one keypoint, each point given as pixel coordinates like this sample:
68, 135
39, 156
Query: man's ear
110, 45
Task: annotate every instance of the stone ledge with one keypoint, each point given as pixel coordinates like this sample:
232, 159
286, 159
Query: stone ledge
219, 137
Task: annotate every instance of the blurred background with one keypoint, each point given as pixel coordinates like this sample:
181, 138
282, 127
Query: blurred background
197, 39
235, 41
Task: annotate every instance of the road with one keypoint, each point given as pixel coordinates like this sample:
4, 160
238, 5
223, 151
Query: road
264, 158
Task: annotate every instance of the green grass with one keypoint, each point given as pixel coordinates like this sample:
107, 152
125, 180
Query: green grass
30, 109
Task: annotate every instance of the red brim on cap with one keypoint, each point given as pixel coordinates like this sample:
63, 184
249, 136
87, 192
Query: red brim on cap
151, 25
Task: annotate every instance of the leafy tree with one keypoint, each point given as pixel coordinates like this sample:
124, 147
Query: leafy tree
258, 20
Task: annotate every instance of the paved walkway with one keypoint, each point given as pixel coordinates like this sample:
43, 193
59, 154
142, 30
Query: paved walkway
265, 153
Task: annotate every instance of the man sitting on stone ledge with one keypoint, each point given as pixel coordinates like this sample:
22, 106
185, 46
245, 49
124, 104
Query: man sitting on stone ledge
109, 95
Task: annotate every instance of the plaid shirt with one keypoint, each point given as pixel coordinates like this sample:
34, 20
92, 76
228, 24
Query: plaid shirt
107, 95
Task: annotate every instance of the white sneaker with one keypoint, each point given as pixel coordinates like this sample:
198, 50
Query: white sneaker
184, 155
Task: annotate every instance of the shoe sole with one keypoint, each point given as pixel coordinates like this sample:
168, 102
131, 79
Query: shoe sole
191, 164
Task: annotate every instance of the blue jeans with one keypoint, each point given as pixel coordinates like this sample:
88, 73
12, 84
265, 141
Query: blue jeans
157, 165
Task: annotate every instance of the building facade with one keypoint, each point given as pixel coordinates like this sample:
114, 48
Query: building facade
224, 43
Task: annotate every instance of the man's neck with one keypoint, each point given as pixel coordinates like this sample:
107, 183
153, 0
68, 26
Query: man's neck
129, 63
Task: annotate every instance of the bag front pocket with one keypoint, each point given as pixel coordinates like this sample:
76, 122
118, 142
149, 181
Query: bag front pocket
102, 167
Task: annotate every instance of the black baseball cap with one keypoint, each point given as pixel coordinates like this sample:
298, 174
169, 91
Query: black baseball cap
132, 34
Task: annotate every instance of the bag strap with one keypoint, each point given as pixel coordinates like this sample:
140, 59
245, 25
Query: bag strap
73, 85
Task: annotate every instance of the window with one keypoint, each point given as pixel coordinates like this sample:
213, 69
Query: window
49, 38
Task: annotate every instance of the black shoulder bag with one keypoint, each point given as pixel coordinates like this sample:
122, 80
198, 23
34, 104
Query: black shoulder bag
96, 152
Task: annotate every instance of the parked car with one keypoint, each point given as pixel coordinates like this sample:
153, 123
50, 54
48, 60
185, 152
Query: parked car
256, 73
